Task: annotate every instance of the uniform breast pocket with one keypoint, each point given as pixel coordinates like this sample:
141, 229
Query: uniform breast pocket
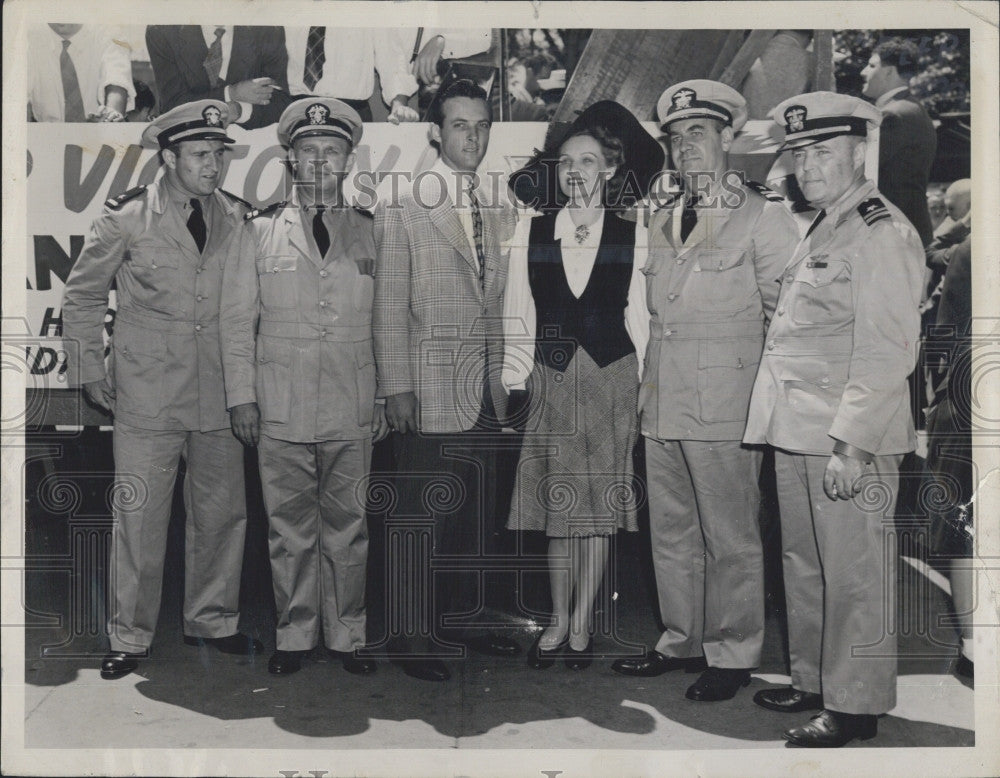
278, 278
822, 293
274, 390
139, 357
155, 273
722, 280
726, 372
813, 385
364, 285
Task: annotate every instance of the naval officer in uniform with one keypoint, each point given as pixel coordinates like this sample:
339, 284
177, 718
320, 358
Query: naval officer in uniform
711, 280
300, 383
831, 396
164, 246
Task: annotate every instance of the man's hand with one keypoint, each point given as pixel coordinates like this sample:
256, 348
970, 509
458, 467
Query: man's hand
101, 393
401, 112
380, 425
401, 412
245, 421
424, 67
256, 91
841, 479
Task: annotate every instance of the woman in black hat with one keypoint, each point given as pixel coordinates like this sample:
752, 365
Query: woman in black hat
575, 316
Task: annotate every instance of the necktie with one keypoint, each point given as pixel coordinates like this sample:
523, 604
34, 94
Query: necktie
320, 232
72, 99
315, 57
689, 218
816, 221
477, 237
213, 61
196, 224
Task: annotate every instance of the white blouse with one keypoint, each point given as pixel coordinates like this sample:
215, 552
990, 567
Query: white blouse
578, 263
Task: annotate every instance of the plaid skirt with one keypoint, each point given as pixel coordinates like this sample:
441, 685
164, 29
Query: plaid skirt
575, 476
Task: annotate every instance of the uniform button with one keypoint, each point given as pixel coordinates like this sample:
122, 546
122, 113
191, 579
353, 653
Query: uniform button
667, 333
196, 271
781, 312
323, 274
199, 298
197, 328
680, 261
825, 380
153, 266
671, 297
770, 346
322, 303
322, 333
789, 277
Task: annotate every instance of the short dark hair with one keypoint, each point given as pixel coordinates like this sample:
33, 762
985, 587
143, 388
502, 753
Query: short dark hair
900, 53
463, 87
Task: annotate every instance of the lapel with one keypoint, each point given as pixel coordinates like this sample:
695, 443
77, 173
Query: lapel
221, 214
170, 222
237, 69
445, 219
296, 232
711, 222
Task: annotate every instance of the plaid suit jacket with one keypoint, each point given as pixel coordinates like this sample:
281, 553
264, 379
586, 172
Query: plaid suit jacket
435, 329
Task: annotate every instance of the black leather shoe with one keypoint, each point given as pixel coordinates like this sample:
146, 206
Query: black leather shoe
579, 660
232, 644
285, 662
718, 683
358, 665
119, 663
830, 729
788, 700
965, 667
493, 644
654, 663
539, 658
425, 669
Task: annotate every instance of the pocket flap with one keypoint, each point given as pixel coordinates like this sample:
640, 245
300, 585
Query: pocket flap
821, 271
735, 353
719, 260
814, 370
277, 264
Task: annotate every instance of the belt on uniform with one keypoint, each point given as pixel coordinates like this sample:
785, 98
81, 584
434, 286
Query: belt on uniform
701, 330
331, 332
166, 326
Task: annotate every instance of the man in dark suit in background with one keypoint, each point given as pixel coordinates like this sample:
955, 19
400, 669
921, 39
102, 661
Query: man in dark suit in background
907, 141
244, 66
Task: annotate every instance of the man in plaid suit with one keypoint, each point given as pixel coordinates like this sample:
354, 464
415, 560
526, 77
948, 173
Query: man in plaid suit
439, 285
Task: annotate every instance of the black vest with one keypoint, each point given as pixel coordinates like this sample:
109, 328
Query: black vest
596, 321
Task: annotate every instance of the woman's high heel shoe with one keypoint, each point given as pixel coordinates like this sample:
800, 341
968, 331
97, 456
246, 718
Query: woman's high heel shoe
580, 660
539, 658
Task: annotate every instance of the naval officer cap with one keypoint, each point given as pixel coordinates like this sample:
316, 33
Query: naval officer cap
314, 116
700, 98
818, 116
200, 120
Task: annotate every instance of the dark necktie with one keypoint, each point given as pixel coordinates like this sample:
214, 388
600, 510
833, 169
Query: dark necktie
315, 57
196, 224
477, 237
72, 99
689, 218
213, 61
320, 232
816, 221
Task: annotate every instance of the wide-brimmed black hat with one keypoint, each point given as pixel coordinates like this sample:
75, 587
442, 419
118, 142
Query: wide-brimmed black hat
536, 184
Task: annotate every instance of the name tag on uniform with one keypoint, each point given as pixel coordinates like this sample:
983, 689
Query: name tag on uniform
818, 261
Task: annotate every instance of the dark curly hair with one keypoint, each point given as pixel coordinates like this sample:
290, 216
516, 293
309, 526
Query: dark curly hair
463, 87
613, 151
900, 53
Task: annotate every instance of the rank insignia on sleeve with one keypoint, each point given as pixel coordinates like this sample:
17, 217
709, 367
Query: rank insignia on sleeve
118, 201
873, 210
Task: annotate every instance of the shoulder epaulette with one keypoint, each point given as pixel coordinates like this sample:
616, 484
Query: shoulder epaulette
234, 198
118, 201
873, 210
766, 192
253, 213
363, 212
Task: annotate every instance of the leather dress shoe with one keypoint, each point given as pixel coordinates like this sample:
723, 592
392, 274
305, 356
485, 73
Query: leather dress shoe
540, 658
231, 644
493, 644
830, 729
718, 683
579, 660
358, 665
425, 668
788, 700
285, 662
654, 663
119, 663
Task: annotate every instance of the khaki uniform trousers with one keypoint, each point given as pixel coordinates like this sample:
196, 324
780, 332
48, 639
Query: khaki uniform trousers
215, 528
707, 552
837, 583
314, 494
